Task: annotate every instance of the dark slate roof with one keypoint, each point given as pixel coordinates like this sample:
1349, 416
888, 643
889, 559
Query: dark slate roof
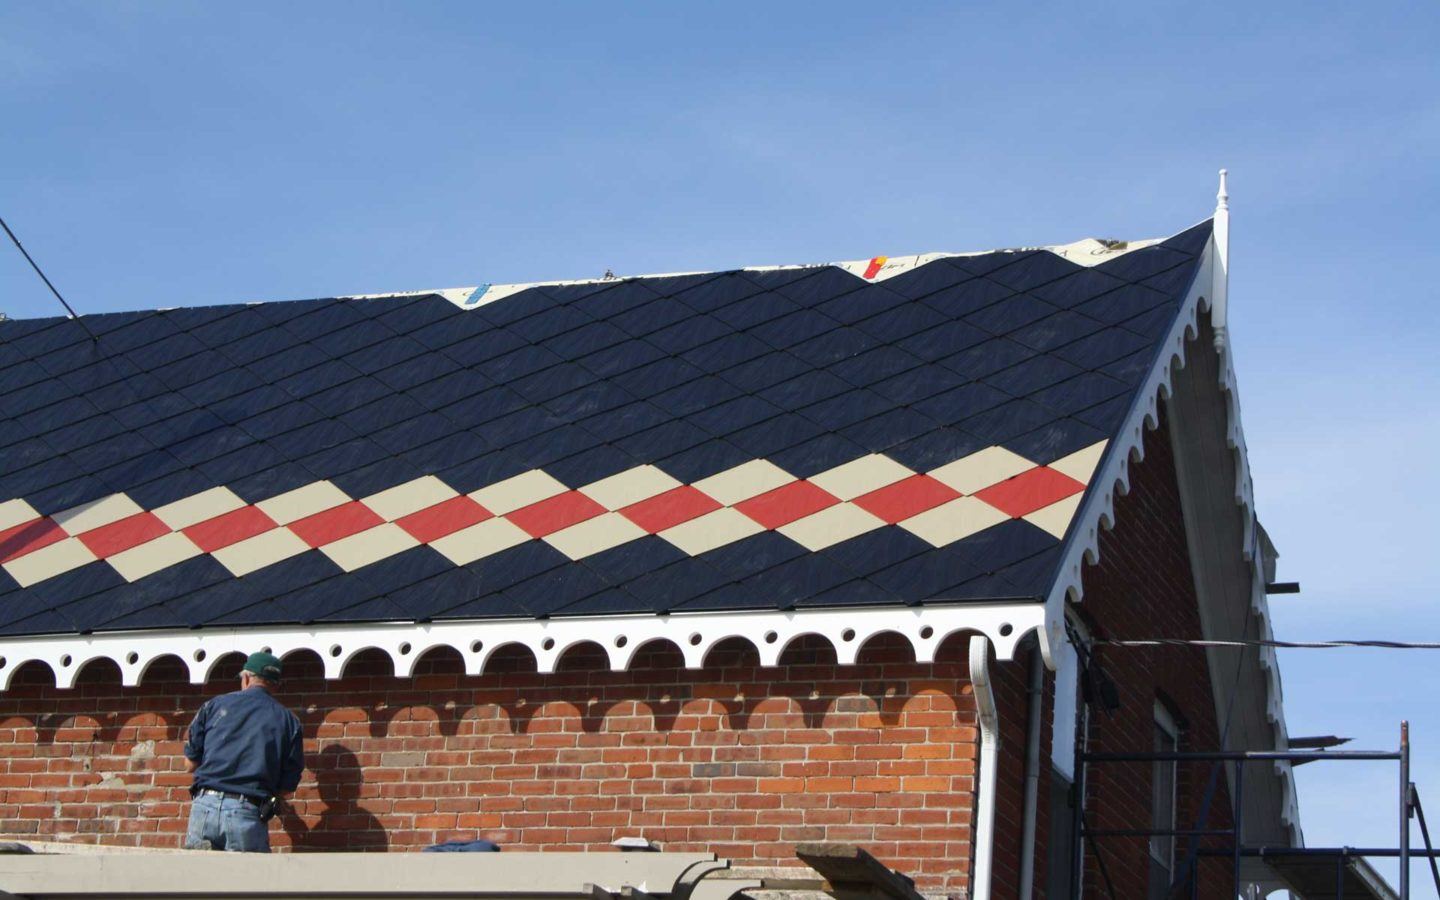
783, 438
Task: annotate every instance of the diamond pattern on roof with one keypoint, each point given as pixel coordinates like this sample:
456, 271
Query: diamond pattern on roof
444, 518
906, 498
758, 438
228, 528
354, 534
1029, 491
28, 537
674, 507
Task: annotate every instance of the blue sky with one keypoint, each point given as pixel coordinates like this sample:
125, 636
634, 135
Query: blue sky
162, 154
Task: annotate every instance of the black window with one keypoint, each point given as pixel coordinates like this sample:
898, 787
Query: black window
1162, 805
1060, 849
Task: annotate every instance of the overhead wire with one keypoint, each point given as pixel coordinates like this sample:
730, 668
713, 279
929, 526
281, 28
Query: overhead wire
1283, 645
1190, 869
38, 271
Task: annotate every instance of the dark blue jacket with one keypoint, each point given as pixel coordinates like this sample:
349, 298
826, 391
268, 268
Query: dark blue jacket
246, 743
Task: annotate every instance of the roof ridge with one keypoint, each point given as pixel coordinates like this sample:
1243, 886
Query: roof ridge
1088, 252
1085, 252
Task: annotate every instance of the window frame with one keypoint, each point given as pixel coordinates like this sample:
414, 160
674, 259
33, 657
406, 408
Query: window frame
1166, 731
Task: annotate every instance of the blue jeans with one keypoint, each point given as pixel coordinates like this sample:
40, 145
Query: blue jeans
227, 824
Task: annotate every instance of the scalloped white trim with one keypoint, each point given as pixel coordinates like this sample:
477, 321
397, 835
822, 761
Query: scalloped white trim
847, 630
1112, 479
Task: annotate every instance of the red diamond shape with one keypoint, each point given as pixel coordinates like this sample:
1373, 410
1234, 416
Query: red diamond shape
903, 499
28, 537
669, 509
784, 505
131, 531
1030, 491
230, 528
333, 524
446, 517
560, 511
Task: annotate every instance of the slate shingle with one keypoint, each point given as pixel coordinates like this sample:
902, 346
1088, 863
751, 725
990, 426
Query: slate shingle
807, 368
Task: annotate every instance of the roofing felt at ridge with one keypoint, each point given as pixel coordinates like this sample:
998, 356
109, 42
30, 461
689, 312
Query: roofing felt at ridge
1086, 252
751, 439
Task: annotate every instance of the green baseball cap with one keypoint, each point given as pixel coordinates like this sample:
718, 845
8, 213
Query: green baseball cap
266, 665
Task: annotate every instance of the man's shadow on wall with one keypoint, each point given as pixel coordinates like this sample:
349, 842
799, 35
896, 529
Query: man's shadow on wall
343, 824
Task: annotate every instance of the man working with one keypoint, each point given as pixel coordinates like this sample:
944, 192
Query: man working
245, 750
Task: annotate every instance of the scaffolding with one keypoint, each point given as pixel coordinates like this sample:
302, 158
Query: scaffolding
1295, 865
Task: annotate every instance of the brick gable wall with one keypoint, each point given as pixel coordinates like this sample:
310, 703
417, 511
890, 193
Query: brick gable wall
1143, 587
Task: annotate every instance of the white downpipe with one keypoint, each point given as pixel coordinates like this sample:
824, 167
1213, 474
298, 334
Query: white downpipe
1034, 702
989, 749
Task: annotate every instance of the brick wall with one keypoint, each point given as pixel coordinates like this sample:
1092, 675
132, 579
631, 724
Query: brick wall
735, 759
1143, 587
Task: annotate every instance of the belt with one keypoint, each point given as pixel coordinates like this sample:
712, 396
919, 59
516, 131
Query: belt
229, 796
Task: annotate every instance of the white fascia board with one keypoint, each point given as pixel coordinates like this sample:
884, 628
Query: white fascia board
1065, 711
847, 630
1112, 476
1112, 479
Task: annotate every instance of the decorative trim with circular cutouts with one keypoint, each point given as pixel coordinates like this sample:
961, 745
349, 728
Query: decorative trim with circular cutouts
621, 637
1112, 479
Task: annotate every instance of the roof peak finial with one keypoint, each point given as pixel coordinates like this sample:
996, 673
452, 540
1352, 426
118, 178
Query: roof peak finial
1220, 285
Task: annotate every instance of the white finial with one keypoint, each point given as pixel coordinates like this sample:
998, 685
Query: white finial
1220, 263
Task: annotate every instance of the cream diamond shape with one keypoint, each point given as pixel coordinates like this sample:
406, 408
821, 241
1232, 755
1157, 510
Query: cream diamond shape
950, 522
630, 486
1081, 464
518, 492
89, 516
1056, 517
981, 469
295, 505
16, 512
714, 529
830, 526
49, 561
412, 496
594, 535
861, 476
244, 557
198, 507
371, 545
746, 480
152, 556
479, 541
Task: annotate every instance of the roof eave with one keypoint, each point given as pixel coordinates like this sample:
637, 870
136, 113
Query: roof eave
1207, 295
847, 629
1081, 545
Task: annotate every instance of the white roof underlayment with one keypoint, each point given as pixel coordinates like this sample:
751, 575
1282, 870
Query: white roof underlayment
1084, 252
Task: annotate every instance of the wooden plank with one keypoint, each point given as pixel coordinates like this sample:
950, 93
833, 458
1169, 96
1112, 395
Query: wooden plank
549, 876
851, 872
